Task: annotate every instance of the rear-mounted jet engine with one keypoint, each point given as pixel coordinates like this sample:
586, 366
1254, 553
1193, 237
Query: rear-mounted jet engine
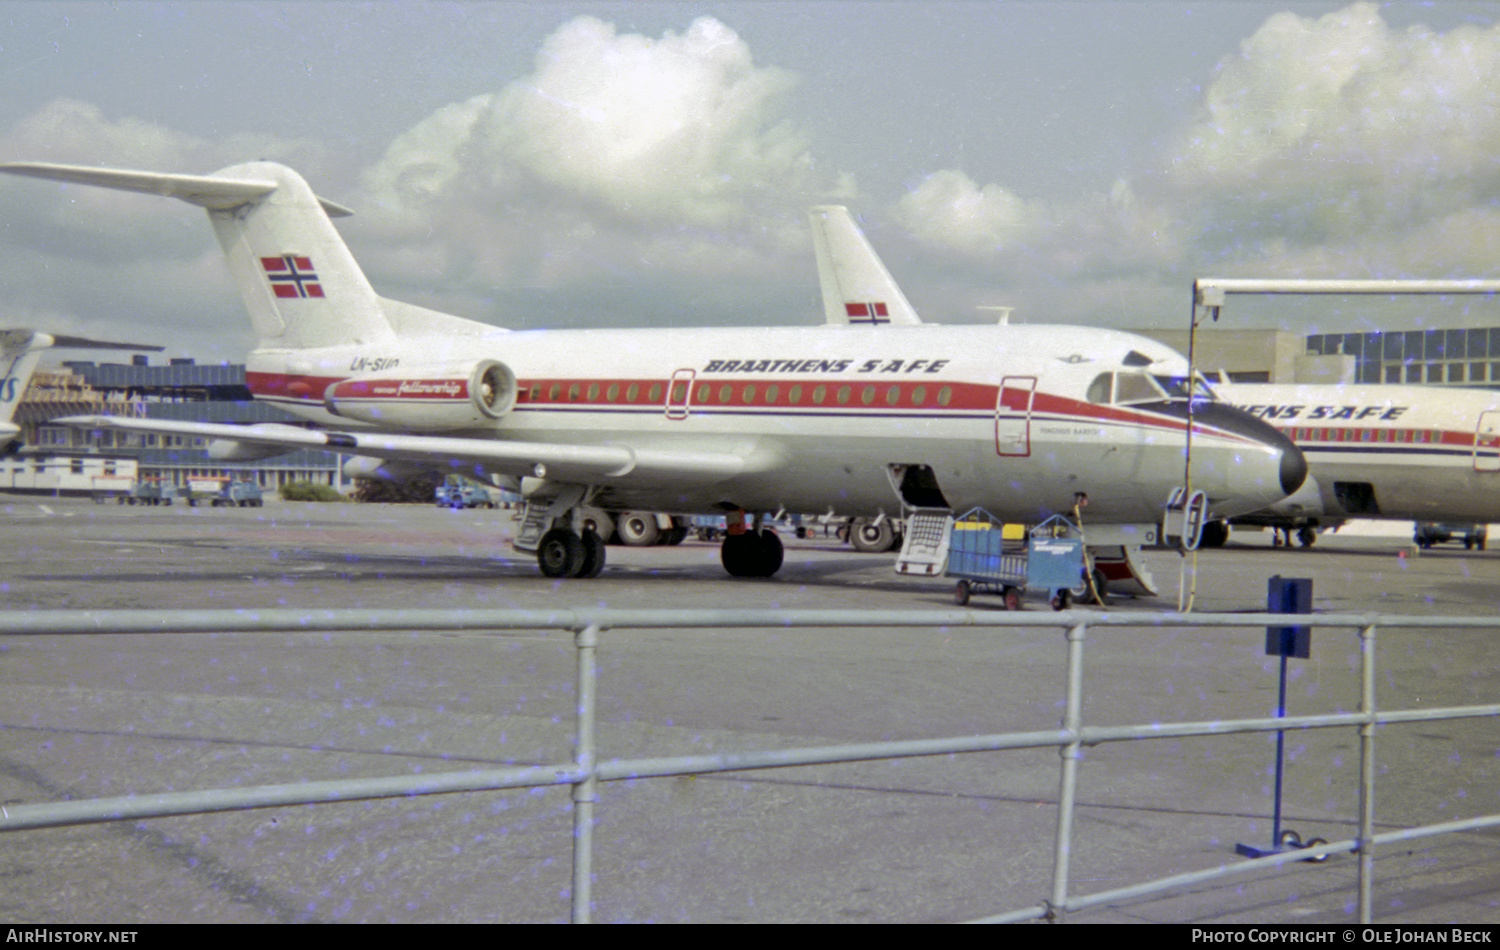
427, 398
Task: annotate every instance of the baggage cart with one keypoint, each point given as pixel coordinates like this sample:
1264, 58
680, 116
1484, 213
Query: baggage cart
987, 555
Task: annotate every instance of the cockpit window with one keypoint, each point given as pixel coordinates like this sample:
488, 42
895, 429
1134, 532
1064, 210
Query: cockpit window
1136, 387
1177, 387
1101, 389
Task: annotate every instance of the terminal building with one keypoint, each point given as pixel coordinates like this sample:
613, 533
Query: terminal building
1468, 358
60, 458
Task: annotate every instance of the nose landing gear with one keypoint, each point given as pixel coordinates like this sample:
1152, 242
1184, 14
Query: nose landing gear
750, 552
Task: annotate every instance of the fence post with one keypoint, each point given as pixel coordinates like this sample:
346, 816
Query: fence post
586, 789
1367, 774
1068, 780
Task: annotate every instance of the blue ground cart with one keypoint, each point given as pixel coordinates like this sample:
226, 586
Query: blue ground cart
983, 558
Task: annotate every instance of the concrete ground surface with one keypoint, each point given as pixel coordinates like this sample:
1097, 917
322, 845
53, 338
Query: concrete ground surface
938, 839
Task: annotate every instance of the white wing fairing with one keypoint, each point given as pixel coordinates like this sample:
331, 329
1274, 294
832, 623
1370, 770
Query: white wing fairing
794, 418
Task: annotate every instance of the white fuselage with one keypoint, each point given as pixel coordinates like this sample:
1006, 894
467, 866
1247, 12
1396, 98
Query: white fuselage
820, 414
1381, 451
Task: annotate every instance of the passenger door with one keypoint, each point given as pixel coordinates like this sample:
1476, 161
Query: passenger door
1013, 416
1487, 442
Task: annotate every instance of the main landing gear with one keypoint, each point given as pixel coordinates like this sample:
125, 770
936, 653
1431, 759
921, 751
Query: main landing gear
562, 535
564, 552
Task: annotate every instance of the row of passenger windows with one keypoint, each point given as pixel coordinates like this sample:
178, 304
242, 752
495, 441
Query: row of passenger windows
1404, 436
742, 394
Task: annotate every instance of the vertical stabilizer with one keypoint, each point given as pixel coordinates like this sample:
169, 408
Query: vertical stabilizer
297, 278
299, 281
19, 352
856, 286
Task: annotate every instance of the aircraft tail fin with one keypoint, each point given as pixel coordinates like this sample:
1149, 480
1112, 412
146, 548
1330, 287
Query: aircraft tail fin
19, 352
299, 282
856, 286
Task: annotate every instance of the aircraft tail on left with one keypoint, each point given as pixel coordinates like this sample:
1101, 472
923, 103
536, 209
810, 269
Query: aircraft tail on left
299, 282
20, 350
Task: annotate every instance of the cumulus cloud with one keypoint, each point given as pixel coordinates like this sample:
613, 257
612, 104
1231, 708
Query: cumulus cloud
948, 209
1328, 130
629, 151
1327, 146
1346, 94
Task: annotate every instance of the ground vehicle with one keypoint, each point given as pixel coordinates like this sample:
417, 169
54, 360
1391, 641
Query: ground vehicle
1428, 533
239, 494
456, 493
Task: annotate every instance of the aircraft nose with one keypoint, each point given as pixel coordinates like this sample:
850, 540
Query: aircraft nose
1293, 465
1244, 481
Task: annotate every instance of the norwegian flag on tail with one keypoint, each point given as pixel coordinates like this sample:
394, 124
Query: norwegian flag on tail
867, 313
292, 276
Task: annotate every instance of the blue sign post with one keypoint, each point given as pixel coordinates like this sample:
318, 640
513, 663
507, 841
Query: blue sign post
1285, 595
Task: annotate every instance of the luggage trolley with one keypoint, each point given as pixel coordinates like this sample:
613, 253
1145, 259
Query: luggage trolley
982, 557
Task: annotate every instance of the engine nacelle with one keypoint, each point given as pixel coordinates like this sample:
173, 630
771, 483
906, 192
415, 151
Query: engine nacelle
438, 397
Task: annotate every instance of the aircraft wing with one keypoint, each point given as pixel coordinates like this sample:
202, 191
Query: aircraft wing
596, 464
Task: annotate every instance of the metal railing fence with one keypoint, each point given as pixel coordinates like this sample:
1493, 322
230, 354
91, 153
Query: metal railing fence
585, 770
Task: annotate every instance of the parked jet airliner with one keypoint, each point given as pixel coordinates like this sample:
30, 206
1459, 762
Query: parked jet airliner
1405, 453
1402, 453
858, 418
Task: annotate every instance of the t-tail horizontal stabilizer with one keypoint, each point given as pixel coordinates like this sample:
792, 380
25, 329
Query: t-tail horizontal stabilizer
206, 191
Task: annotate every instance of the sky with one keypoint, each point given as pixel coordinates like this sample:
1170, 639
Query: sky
617, 164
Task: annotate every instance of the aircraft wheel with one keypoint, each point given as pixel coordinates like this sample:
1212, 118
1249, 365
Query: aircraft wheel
1306, 537
599, 520
1315, 843
1097, 593
561, 553
1215, 534
593, 554
638, 528
752, 555
872, 538
737, 552
772, 553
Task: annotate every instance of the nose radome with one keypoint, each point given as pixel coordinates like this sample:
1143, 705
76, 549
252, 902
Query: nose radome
1293, 467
